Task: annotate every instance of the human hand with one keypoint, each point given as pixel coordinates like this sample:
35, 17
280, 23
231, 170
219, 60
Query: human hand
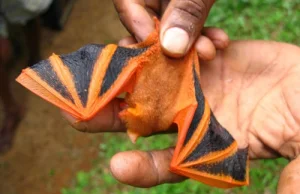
253, 88
259, 82
181, 24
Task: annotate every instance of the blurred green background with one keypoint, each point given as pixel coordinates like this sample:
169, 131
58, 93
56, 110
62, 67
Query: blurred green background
243, 19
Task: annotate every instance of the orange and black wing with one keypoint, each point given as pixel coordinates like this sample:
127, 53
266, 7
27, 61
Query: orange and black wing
84, 81
206, 151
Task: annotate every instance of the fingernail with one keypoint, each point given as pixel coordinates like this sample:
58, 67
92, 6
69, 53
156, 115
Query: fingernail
67, 117
70, 119
175, 41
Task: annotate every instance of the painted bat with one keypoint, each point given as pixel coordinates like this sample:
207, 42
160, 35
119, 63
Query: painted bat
160, 91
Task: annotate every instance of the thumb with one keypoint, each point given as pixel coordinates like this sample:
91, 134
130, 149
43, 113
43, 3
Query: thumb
290, 178
181, 25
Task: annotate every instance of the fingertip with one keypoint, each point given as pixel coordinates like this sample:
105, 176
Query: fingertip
218, 36
174, 41
135, 18
118, 167
289, 178
219, 44
129, 168
69, 118
127, 41
181, 24
75, 123
205, 48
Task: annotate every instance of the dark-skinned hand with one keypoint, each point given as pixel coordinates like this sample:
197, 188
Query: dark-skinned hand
181, 24
253, 88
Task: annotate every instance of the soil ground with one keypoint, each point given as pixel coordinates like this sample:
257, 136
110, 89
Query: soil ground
47, 152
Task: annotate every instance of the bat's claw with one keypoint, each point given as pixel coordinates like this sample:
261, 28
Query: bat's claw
136, 111
129, 111
132, 135
123, 105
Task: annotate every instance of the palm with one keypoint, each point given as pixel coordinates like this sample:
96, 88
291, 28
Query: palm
253, 89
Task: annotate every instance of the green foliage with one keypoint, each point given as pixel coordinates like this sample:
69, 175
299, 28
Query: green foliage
242, 19
256, 19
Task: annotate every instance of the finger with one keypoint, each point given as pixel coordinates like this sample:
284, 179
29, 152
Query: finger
135, 17
219, 38
212, 39
107, 120
181, 25
164, 5
205, 48
153, 7
127, 41
144, 169
290, 178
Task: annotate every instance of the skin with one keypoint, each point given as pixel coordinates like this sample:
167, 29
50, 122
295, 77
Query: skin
185, 17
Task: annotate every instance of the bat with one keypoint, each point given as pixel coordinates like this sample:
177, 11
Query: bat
159, 91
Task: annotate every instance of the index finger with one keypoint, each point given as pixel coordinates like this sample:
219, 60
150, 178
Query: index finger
106, 120
135, 17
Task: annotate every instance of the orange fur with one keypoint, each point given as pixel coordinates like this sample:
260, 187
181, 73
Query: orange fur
163, 88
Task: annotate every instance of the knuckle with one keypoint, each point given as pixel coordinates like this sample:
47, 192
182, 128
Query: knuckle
194, 10
157, 175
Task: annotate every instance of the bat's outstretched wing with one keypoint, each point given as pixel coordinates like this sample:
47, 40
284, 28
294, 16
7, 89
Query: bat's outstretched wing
84, 81
206, 151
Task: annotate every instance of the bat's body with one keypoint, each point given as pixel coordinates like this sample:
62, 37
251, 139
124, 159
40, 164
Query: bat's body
158, 97
161, 91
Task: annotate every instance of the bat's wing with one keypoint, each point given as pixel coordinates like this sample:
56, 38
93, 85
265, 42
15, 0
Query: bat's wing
206, 151
84, 81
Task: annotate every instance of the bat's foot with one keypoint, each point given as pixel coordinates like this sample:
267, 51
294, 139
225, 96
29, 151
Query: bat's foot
129, 115
136, 125
129, 112
133, 136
